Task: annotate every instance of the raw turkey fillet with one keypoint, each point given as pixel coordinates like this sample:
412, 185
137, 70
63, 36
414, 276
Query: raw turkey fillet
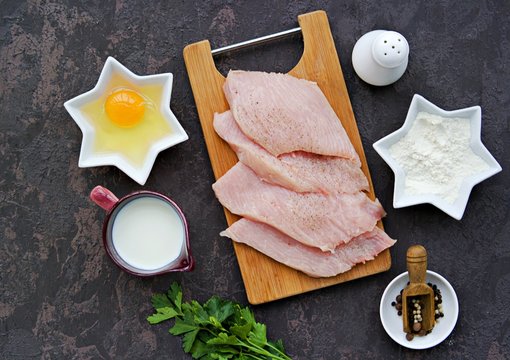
298, 171
309, 260
322, 221
284, 114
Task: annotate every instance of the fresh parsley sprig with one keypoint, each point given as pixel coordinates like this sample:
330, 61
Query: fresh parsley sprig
219, 329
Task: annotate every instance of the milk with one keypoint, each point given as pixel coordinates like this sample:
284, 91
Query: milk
148, 233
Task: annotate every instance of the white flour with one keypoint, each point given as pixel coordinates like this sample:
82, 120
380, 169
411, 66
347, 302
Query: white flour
436, 156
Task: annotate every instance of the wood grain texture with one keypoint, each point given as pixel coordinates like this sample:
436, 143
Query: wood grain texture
417, 268
265, 279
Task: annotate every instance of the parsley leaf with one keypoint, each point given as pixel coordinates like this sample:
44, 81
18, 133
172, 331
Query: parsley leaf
241, 331
180, 327
160, 301
218, 329
258, 334
188, 340
224, 339
221, 310
162, 314
175, 295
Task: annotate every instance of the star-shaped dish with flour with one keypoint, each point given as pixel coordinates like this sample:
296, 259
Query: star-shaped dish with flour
454, 207
131, 149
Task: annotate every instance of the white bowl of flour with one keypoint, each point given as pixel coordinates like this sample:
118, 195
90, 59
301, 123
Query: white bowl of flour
437, 157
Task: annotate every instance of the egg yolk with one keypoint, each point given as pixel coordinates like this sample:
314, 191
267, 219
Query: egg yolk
125, 108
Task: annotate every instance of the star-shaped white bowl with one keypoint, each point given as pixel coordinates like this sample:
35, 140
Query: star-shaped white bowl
90, 157
400, 197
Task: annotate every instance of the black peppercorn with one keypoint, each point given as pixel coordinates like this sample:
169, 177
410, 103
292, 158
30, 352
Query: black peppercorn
416, 328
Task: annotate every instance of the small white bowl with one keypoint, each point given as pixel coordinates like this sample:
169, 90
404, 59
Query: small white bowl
392, 322
90, 158
400, 197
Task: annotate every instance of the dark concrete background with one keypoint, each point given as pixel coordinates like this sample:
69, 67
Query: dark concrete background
62, 298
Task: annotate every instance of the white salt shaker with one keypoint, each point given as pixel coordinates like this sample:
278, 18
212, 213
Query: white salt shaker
380, 57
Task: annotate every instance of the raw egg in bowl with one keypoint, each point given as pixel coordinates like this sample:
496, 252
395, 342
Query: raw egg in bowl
126, 120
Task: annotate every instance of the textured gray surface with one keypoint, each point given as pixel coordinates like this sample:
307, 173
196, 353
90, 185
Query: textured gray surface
61, 297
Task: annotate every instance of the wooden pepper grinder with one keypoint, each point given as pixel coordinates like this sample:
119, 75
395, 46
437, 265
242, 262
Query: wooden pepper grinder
417, 290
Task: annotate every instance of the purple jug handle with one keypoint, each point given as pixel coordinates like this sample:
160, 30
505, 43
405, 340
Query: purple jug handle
103, 197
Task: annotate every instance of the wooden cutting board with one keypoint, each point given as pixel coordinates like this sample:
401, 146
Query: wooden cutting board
265, 279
